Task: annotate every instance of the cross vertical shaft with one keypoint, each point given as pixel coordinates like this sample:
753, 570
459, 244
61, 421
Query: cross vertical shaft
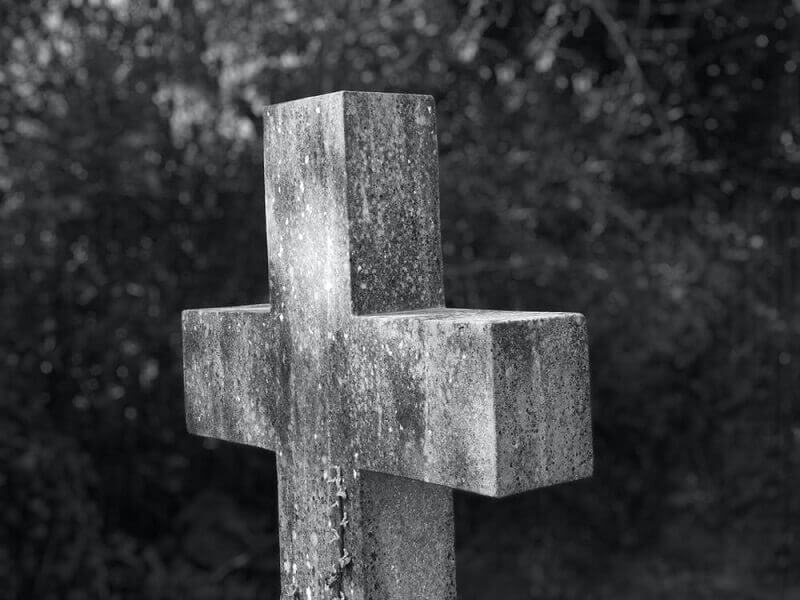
352, 203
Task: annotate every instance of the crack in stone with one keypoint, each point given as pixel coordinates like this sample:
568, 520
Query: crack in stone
335, 578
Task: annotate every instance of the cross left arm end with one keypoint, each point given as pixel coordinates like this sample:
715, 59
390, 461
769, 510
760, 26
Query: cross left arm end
231, 391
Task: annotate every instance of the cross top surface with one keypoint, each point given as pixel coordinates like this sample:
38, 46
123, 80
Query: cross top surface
378, 400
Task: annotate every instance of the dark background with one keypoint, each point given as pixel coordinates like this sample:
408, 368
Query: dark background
636, 161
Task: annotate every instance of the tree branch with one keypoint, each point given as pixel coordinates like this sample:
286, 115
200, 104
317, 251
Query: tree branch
617, 34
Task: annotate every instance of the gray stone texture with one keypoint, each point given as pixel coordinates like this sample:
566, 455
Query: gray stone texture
376, 398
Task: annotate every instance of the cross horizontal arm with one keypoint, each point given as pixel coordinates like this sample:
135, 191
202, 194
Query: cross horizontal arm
229, 369
493, 402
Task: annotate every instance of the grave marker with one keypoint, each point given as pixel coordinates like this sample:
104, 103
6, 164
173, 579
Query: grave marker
376, 398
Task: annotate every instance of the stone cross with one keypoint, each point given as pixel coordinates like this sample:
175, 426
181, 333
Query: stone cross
377, 399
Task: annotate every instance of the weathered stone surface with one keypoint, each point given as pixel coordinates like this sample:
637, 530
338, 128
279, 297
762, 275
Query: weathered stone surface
376, 398
492, 402
352, 204
408, 535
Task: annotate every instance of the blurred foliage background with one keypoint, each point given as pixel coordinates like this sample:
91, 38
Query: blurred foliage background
635, 160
